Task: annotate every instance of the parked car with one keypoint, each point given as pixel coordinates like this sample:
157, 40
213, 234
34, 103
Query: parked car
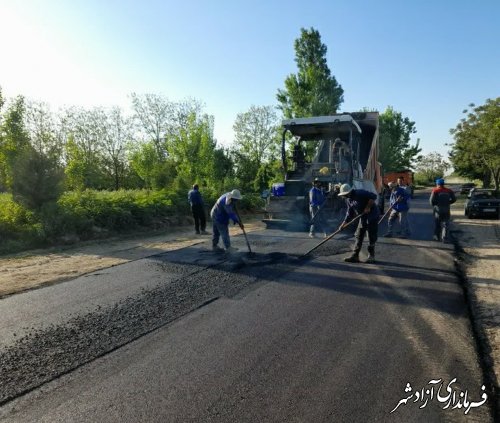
482, 202
465, 188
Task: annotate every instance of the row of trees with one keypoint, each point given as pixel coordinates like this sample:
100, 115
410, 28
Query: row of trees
166, 144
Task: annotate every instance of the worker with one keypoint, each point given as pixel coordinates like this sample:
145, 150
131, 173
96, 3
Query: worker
198, 210
223, 210
317, 199
400, 207
441, 198
402, 184
360, 201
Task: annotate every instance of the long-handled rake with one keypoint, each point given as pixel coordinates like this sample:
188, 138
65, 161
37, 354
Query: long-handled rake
332, 235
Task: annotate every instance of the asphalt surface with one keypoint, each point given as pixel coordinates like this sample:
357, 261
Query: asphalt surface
191, 335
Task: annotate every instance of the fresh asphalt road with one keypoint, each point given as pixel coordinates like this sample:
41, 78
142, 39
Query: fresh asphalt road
303, 341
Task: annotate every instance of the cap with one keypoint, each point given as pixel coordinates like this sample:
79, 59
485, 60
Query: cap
440, 181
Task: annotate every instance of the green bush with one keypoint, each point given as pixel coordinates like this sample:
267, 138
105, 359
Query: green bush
90, 213
19, 227
117, 211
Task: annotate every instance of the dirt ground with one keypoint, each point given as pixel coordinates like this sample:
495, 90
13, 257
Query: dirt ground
32, 269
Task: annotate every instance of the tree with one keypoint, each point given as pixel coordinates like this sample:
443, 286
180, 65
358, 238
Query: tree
313, 91
155, 115
430, 167
256, 134
37, 179
256, 146
41, 127
86, 131
395, 151
193, 152
13, 140
476, 150
117, 135
30, 171
223, 168
145, 162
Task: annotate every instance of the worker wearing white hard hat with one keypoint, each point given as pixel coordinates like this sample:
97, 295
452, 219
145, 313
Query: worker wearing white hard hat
361, 202
223, 211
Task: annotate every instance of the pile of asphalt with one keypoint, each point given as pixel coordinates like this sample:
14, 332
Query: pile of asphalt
45, 354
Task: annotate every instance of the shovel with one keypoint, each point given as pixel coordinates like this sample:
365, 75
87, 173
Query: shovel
332, 235
244, 233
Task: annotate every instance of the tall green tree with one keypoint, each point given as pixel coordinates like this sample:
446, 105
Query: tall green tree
476, 150
395, 151
256, 133
14, 139
155, 115
256, 146
118, 134
86, 132
41, 127
29, 167
313, 90
37, 178
193, 152
154, 173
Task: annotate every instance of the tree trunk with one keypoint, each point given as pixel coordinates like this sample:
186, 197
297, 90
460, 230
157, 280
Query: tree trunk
496, 178
487, 179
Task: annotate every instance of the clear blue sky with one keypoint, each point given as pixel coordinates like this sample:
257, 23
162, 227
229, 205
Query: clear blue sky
427, 59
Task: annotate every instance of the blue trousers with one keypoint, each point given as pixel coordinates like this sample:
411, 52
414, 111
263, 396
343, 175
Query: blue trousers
220, 230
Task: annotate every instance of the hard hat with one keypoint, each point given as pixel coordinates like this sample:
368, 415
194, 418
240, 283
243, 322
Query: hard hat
324, 170
345, 189
236, 194
440, 181
316, 180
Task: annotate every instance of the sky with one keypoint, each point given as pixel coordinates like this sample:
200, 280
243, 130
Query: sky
428, 59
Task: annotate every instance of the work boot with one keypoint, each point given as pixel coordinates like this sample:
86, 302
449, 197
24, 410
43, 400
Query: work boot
435, 238
231, 250
197, 232
204, 232
217, 249
353, 258
371, 254
311, 235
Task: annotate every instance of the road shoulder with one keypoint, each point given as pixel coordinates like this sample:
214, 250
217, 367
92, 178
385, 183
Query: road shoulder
479, 258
